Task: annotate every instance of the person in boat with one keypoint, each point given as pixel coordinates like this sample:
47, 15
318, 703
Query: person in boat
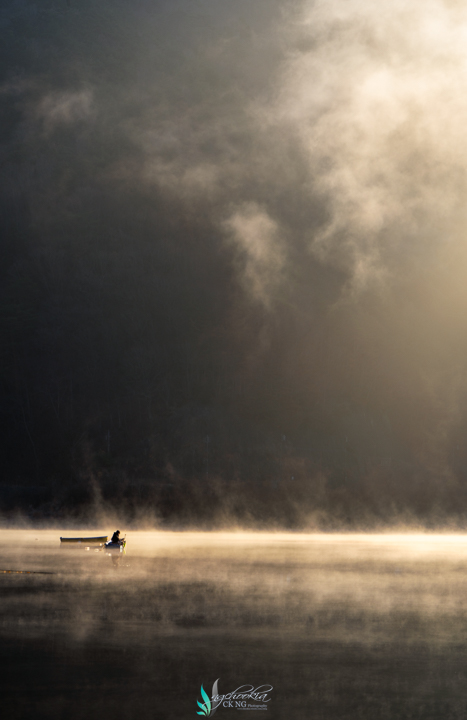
116, 538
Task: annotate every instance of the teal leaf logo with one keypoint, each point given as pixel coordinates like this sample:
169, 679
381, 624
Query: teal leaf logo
206, 706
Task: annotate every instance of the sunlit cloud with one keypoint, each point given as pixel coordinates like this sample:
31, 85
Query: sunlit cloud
256, 236
377, 100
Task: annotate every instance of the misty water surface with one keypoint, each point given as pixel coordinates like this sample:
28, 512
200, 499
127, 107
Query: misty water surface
347, 624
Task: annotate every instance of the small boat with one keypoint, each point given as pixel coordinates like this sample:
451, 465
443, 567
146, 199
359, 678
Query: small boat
86, 540
101, 544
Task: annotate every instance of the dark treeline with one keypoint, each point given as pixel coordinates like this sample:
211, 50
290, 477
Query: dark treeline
171, 343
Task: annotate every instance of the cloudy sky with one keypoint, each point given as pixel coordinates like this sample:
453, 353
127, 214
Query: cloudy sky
304, 166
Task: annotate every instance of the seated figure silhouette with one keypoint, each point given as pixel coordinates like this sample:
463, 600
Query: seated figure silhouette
116, 538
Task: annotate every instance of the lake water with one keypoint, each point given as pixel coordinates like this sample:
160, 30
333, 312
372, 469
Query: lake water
339, 625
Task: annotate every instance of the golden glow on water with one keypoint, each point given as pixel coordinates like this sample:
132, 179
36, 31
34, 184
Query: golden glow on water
149, 542
343, 587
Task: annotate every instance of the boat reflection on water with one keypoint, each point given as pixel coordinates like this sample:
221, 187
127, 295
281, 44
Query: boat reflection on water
115, 551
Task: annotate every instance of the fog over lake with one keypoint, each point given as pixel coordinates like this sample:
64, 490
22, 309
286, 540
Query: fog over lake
233, 303
340, 625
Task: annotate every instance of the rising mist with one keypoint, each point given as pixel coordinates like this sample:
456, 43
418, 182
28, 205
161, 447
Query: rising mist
232, 286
